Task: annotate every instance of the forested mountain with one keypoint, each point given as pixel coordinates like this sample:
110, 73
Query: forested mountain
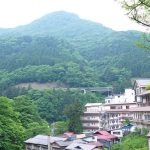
61, 47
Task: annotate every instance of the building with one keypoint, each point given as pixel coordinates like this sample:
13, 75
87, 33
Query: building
44, 142
142, 95
40, 142
141, 115
111, 114
92, 118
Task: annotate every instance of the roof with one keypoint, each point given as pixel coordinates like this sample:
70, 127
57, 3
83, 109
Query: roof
97, 144
143, 82
140, 109
106, 137
148, 134
116, 110
43, 139
75, 146
80, 136
128, 126
144, 93
63, 143
93, 104
121, 103
68, 133
102, 132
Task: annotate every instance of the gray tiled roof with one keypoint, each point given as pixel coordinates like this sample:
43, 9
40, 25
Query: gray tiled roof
64, 143
75, 146
43, 139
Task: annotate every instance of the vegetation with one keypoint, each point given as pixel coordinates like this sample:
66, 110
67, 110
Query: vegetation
133, 141
138, 10
26, 116
19, 121
74, 113
85, 54
61, 48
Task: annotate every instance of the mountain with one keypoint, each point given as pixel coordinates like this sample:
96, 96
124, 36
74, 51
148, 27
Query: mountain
61, 47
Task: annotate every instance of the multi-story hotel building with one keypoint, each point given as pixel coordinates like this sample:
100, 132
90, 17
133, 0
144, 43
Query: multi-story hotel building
92, 118
141, 115
111, 114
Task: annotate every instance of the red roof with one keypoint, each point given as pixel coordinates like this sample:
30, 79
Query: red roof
106, 137
68, 133
102, 132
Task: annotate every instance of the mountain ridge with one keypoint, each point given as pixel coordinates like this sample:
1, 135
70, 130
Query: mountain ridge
73, 51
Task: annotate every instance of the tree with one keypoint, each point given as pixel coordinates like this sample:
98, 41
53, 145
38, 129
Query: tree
59, 127
138, 10
133, 141
11, 131
74, 113
30, 117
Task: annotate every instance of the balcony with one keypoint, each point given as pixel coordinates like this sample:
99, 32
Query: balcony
91, 127
91, 113
90, 119
141, 121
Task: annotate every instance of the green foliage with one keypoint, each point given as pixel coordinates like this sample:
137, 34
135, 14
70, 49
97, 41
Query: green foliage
11, 131
148, 87
19, 120
51, 103
74, 113
135, 8
85, 54
30, 117
59, 127
133, 141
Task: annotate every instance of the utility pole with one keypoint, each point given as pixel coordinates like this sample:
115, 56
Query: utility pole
49, 137
48, 141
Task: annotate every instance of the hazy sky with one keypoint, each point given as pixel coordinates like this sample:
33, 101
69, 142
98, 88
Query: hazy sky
107, 12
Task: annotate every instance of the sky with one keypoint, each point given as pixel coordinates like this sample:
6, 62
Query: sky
107, 12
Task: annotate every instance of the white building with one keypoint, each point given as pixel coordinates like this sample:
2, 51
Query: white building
92, 118
141, 115
111, 114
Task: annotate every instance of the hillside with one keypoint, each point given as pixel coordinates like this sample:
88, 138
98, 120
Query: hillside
61, 47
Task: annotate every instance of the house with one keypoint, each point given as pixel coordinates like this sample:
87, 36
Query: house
44, 142
120, 132
60, 145
142, 95
87, 146
141, 115
40, 142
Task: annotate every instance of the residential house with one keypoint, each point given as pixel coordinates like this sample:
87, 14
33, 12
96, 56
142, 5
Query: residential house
142, 95
40, 142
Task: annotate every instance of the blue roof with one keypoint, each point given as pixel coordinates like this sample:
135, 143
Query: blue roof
128, 126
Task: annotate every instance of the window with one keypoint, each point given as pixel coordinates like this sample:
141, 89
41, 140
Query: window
112, 107
118, 133
127, 107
